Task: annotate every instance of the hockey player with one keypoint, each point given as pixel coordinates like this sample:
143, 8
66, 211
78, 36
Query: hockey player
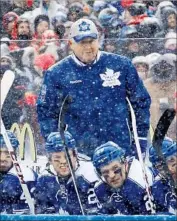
12, 198
122, 189
55, 192
164, 195
97, 84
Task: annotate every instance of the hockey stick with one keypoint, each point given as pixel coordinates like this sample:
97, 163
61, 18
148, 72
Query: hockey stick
159, 135
147, 186
6, 84
61, 127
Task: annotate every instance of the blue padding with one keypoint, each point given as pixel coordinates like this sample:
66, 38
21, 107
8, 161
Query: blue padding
85, 218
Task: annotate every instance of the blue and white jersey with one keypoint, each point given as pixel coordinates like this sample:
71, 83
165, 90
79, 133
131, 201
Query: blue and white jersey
12, 198
98, 110
165, 199
57, 195
131, 198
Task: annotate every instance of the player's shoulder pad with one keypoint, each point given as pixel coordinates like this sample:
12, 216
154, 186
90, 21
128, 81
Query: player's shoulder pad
28, 173
135, 174
87, 171
48, 171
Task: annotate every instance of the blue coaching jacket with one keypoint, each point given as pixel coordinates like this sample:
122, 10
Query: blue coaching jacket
98, 110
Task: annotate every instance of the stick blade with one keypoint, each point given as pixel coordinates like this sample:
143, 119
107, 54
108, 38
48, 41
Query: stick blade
162, 126
6, 83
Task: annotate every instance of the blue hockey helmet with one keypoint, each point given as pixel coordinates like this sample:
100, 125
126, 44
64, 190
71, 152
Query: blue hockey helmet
54, 142
106, 153
12, 138
169, 148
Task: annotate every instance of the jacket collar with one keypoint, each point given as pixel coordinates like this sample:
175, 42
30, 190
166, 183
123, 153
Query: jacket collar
80, 63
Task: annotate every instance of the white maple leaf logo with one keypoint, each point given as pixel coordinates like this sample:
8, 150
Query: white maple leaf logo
110, 78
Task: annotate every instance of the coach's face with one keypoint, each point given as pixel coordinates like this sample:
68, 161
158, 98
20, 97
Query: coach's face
85, 50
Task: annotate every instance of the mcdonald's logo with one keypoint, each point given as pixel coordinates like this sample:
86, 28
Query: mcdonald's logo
21, 135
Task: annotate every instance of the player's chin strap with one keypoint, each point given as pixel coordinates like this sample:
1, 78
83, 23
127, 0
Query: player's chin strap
147, 186
67, 100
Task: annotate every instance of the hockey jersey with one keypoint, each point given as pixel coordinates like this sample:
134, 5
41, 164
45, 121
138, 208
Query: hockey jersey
57, 195
164, 196
131, 198
12, 198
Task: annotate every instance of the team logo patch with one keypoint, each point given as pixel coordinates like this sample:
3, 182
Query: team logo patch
110, 78
62, 194
116, 198
84, 26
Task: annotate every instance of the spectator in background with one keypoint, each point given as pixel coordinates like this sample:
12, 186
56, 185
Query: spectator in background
41, 24
24, 61
159, 12
168, 20
21, 6
24, 34
67, 26
46, 7
130, 45
111, 23
98, 5
110, 45
6, 64
51, 44
41, 63
64, 42
5, 7
149, 30
170, 43
161, 86
10, 26
151, 60
141, 66
134, 14
58, 23
74, 9
4, 46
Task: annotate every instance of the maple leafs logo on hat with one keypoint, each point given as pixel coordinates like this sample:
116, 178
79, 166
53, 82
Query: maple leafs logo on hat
84, 26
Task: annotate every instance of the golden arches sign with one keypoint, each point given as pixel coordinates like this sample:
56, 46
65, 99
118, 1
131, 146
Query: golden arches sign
21, 135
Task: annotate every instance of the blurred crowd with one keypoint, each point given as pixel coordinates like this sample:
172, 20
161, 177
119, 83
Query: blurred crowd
34, 37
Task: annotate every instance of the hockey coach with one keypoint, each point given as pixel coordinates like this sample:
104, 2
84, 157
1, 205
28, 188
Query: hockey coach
92, 87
